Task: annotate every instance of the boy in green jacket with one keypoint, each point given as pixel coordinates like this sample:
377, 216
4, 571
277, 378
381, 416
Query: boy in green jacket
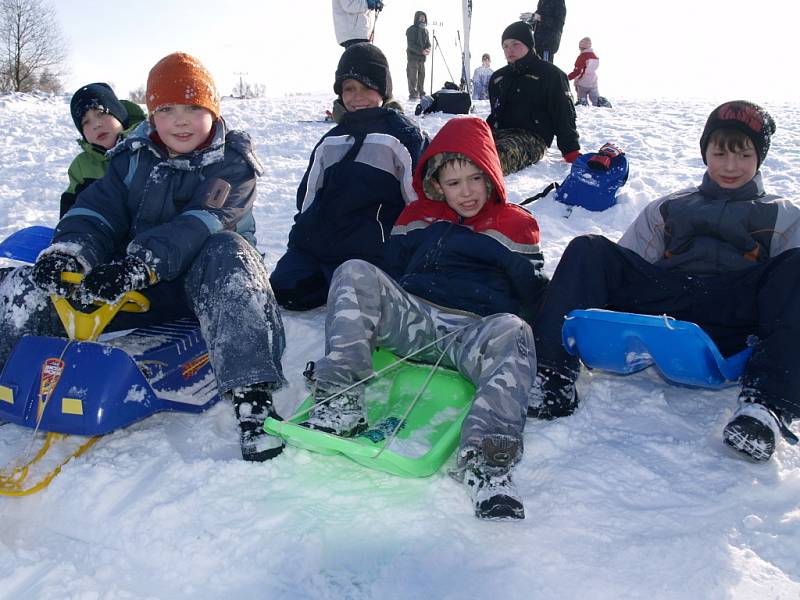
102, 120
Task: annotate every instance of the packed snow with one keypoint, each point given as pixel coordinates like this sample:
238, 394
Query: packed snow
634, 496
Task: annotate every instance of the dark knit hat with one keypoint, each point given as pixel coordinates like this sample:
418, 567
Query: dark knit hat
365, 63
101, 97
180, 78
519, 30
752, 120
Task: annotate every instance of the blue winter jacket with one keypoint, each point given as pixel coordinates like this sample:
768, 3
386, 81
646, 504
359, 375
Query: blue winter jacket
357, 182
485, 264
155, 207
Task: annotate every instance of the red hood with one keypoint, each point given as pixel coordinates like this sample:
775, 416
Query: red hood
471, 137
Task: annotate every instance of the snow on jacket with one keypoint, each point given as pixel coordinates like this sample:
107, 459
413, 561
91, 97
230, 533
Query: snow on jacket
709, 230
486, 264
480, 82
152, 206
585, 71
357, 182
547, 35
91, 164
534, 94
417, 39
352, 20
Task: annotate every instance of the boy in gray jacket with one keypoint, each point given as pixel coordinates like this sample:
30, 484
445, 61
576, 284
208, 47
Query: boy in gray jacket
723, 255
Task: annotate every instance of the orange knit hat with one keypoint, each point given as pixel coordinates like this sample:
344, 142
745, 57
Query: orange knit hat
180, 78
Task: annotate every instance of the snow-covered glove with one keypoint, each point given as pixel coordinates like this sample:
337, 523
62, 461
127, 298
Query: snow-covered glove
570, 157
375, 5
109, 281
47, 272
526, 16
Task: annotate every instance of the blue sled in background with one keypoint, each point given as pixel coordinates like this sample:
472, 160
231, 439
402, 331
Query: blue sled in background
26, 244
624, 343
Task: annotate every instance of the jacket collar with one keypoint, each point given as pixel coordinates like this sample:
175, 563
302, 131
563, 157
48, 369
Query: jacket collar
750, 190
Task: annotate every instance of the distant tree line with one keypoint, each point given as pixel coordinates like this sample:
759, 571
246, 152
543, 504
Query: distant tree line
32, 49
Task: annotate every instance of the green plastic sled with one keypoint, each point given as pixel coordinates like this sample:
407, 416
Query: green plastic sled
424, 442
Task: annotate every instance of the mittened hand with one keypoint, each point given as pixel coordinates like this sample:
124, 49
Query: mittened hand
47, 271
108, 282
571, 157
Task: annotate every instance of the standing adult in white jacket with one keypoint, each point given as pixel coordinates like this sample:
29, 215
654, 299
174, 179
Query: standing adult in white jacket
354, 20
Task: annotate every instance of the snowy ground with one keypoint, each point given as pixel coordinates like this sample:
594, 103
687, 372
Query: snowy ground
633, 496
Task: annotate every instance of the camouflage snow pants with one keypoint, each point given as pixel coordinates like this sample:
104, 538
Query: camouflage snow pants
367, 308
518, 148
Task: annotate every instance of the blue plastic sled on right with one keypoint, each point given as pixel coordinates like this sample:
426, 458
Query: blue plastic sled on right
625, 343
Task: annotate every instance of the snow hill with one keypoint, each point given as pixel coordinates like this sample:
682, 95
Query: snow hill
633, 496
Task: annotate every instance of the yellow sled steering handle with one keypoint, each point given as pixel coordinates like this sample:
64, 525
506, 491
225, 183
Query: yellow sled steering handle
87, 326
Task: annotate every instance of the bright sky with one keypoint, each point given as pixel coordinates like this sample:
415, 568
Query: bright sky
716, 49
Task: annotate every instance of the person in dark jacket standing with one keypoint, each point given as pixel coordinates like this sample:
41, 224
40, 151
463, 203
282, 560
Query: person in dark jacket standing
724, 255
357, 182
549, 22
530, 104
417, 51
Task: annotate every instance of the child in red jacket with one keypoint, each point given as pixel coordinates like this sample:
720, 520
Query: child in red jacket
585, 74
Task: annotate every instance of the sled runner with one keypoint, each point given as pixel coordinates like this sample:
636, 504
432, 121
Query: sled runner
26, 244
410, 445
81, 387
625, 343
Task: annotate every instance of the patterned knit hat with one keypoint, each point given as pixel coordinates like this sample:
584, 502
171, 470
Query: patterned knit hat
435, 163
365, 63
752, 120
521, 31
179, 78
585, 43
101, 97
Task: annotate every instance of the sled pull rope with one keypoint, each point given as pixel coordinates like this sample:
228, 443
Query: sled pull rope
411, 406
378, 373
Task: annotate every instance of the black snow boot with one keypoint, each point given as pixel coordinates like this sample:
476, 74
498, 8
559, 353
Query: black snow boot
486, 473
753, 431
253, 404
553, 395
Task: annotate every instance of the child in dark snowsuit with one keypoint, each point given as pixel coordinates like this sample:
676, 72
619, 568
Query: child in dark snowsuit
172, 217
530, 105
357, 182
724, 255
460, 262
102, 120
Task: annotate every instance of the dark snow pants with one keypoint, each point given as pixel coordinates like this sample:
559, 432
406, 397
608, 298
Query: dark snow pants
415, 73
300, 281
762, 300
226, 289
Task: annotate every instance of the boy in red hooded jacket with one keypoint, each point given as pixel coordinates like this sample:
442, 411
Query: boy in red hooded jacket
461, 260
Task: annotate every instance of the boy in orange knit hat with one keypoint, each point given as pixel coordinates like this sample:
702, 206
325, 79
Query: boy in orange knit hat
173, 217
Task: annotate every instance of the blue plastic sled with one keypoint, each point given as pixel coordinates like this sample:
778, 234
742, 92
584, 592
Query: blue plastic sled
625, 343
26, 244
104, 386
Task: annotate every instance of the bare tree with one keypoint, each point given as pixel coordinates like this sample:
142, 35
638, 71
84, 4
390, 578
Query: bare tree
31, 45
138, 95
245, 89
